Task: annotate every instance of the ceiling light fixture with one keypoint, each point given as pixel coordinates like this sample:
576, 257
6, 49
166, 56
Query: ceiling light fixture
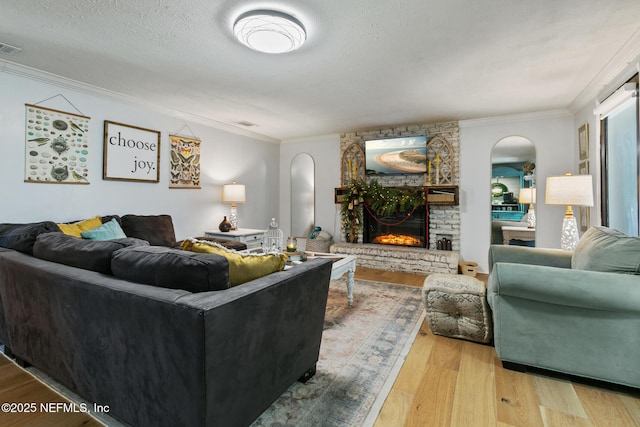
269, 31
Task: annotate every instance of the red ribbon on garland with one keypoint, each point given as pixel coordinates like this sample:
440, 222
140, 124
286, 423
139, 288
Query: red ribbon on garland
366, 205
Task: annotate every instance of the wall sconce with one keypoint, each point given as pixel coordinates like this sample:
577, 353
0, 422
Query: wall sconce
569, 190
233, 193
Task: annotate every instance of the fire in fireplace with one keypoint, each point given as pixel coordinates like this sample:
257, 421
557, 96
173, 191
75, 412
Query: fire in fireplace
401, 229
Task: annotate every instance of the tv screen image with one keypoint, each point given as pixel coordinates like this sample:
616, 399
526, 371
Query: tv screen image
396, 155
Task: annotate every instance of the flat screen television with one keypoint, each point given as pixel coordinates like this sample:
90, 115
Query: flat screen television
403, 155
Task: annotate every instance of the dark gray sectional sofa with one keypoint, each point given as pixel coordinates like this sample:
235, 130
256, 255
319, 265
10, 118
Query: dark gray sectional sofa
164, 356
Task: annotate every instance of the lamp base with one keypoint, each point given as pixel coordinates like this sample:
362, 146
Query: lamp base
569, 237
531, 218
233, 217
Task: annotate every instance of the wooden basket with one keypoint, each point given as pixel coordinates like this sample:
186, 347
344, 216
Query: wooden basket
468, 268
318, 245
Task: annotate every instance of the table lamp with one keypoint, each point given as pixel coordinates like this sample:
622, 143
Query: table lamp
569, 190
528, 196
233, 193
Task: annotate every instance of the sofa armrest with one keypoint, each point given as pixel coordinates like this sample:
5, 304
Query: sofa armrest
561, 286
527, 255
259, 338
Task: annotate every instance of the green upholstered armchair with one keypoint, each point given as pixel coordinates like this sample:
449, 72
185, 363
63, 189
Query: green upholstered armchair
571, 320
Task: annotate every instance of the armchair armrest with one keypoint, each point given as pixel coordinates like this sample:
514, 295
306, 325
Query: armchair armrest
561, 286
527, 255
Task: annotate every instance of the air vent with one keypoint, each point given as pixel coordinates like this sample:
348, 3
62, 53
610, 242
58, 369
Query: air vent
247, 124
7, 49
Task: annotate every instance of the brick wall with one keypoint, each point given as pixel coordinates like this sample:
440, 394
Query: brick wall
444, 221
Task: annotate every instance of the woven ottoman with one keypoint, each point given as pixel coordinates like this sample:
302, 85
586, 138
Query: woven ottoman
457, 307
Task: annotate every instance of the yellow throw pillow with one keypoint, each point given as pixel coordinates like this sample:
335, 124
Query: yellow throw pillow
78, 227
242, 267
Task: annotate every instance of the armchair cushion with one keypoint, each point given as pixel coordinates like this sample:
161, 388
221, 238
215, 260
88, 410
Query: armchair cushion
608, 250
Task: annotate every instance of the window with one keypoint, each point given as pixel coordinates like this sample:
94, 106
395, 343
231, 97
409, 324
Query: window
620, 148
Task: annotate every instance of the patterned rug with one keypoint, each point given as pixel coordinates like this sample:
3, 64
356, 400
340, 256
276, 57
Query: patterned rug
363, 348
362, 351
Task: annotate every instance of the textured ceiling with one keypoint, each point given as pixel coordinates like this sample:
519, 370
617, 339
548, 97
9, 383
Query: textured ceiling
366, 63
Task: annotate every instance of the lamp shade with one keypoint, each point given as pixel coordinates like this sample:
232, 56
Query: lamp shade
527, 195
571, 190
233, 193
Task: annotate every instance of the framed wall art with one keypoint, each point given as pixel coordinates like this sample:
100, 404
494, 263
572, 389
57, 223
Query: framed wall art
131, 153
57, 146
585, 218
583, 141
585, 212
583, 168
185, 162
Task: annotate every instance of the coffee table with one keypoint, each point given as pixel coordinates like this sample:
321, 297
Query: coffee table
341, 264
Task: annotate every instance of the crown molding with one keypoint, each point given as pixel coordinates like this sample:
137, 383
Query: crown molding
622, 66
53, 79
525, 117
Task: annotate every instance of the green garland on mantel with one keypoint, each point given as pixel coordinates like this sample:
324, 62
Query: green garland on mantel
383, 201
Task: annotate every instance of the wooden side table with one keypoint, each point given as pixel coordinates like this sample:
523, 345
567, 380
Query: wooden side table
520, 233
249, 236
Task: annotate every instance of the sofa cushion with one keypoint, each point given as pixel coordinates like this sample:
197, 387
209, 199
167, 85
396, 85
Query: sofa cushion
171, 268
107, 231
608, 250
76, 228
242, 267
155, 229
21, 237
91, 255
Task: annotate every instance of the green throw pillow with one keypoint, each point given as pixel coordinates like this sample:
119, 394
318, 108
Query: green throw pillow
107, 231
608, 250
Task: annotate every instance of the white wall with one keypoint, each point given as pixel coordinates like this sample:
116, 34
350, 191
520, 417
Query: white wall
552, 134
225, 157
325, 151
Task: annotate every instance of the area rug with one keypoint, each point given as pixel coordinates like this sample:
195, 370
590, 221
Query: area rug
363, 348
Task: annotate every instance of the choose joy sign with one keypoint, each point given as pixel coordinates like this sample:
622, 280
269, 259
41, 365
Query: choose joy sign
131, 153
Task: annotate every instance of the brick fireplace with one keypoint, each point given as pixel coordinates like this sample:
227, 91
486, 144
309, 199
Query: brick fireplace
442, 222
407, 228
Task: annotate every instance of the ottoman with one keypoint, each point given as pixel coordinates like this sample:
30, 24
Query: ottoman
457, 307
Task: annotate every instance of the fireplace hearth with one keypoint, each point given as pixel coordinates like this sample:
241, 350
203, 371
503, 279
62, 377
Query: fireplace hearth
407, 228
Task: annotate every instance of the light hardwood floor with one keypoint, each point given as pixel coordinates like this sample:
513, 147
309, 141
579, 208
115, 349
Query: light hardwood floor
26, 393
447, 382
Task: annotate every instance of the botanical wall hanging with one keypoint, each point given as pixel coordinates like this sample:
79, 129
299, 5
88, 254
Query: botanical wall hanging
185, 162
57, 146
131, 153
378, 200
